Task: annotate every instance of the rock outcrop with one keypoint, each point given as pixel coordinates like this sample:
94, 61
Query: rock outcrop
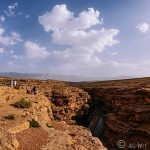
14, 120
17, 133
59, 136
125, 111
67, 102
8, 141
19, 121
72, 137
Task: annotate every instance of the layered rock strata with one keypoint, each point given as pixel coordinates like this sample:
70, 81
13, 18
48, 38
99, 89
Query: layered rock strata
126, 115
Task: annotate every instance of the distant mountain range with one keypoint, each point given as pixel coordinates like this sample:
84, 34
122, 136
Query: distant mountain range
72, 78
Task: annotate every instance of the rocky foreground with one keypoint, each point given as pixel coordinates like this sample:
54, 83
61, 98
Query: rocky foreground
39, 125
111, 110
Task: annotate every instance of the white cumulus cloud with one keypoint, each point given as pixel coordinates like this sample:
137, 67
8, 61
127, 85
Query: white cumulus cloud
143, 27
35, 51
78, 33
13, 39
85, 20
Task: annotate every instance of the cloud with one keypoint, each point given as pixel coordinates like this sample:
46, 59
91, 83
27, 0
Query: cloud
35, 51
11, 10
2, 18
85, 20
11, 52
12, 66
32, 65
13, 55
104, 69
119, 64
143, 27
20, 13
27, 16
10, 63
118, 68
79, 34
1, 31
1, 51
114, 53
13, 39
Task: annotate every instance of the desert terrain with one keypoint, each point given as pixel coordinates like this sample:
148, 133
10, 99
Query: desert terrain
74, 116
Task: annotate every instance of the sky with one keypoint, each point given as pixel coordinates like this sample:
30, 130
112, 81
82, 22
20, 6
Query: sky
95, 38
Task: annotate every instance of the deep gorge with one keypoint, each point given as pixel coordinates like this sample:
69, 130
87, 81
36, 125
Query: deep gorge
125, 112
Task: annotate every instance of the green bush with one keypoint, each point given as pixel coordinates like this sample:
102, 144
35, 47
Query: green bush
10, 117
23, 104
34, 123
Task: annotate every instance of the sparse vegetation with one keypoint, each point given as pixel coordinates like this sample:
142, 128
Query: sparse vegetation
23, 103
10, 117
48, 111
34, 123
49, 126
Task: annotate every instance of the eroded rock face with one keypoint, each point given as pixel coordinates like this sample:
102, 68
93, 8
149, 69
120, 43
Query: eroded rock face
126, 114
67, 102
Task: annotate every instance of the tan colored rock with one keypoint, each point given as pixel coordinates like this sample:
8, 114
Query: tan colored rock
38, 111
20, 127
81, 137
21, 116
58, 140
8, 141
59, 136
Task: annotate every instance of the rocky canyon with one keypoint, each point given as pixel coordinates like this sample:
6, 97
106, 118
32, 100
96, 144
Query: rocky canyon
75, 116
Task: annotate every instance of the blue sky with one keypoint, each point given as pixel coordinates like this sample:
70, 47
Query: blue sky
77, 37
